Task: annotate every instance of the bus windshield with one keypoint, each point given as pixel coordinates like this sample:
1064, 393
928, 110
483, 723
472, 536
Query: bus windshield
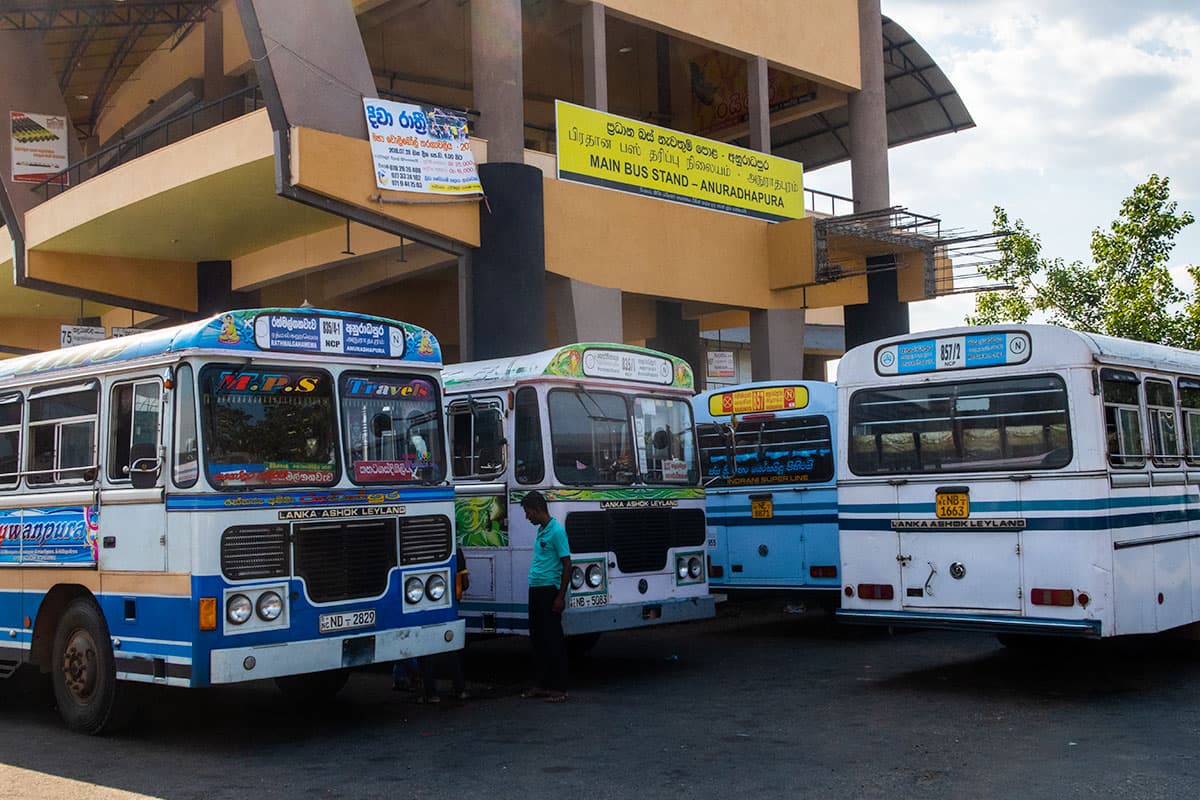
666, 452
1003, 424
392, 428
267, 427
768, 451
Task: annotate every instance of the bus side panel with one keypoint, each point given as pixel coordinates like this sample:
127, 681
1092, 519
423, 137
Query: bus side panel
869, 557
1133, 600
13, 649
1172, 575
764, 552
718, 510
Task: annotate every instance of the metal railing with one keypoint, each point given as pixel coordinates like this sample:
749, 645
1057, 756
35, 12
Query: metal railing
179, 127
834, 202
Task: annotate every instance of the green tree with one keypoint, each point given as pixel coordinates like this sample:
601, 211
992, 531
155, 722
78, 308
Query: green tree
1126, 290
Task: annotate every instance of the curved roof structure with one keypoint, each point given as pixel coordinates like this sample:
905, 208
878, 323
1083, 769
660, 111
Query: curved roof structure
921, 102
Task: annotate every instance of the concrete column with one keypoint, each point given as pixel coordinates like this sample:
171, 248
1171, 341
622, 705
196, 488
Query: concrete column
759, 101
777, 344
214, 56
678, 336
883, 314
214, 289
508, 270
585, 312
498, 78
595, 58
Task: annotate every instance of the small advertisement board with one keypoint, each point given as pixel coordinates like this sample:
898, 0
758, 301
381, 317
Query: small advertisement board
39, 146
420, 148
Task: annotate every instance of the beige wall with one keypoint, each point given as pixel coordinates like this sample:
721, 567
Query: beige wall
161, 72
818, 38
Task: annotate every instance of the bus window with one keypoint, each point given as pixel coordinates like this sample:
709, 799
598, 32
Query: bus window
476, 439
1164, 429
1189, 400
590, 439
393, 428
133, 419
62, 433
186, 468
1016, 423
666, 452
774, 451
1122, 423
10, 439
530, 463
268, 427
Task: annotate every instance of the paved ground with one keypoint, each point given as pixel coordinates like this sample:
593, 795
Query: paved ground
757, 703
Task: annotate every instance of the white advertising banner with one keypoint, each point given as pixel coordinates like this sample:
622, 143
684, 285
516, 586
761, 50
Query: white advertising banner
420, 148
39, 146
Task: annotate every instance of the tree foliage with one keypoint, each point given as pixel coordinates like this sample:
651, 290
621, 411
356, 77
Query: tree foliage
1126, 291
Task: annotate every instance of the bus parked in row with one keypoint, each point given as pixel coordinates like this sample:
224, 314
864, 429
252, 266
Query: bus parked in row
261, 494
605, 432
766, 458
1020, 480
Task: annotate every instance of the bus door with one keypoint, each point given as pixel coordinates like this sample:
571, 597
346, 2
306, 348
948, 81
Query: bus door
132, 516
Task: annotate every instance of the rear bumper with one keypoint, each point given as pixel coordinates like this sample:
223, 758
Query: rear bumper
315, 655
1084, 629
638, 615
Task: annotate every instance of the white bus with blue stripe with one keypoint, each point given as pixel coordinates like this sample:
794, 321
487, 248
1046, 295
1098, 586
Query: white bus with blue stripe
767, 461
605, 433
1020, 480
261, 494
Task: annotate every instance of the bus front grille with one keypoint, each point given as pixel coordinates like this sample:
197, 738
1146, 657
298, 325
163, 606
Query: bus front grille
255, 551
640, 538
345, 560
425, 540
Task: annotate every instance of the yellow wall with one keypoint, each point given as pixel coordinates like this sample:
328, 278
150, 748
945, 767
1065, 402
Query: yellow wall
161, 72
818, 38
166, 283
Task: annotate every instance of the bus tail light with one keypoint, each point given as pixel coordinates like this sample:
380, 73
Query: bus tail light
1084, 599
1052, 597
208, 613
828, 571
876, 591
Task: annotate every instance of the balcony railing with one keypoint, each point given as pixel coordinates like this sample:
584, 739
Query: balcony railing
202, 117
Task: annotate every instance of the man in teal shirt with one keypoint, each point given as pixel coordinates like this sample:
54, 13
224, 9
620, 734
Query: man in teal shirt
549, 574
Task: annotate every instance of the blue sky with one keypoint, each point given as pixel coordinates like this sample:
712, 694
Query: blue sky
1075, 103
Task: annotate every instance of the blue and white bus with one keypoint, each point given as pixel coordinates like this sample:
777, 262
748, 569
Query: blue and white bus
767, 460
1020, 480
261, 494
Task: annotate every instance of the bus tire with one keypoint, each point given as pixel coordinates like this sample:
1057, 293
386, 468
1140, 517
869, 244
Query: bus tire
581, 644
315, 687
83, 669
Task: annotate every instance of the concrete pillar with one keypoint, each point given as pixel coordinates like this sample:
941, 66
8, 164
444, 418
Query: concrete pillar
498, 78
508, 269
214, 56
883, 314
678, 336
214, 289
585, 312
595, 58
759, 101
777, 344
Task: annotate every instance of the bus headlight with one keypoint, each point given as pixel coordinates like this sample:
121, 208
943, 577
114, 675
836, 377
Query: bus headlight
576, 578
435, 588
414, 590
694, 567
595, 576
681, 568
238, 609
269, 606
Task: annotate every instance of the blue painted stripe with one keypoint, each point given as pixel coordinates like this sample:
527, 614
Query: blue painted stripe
778, 519
1098, 522
1067, 504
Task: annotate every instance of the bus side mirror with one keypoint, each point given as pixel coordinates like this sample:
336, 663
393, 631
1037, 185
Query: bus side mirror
144, 465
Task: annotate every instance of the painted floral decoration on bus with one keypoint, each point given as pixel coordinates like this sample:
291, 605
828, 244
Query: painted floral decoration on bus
481, 521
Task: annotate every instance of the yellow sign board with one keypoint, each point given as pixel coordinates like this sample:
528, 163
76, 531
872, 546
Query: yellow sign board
636, 157
752, 401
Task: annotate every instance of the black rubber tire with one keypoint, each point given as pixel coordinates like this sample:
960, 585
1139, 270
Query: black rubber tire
581, 644
315, 687
83, 670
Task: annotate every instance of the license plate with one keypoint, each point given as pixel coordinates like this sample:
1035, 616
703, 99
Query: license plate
346, 621
762, 509
587, 601
953, 505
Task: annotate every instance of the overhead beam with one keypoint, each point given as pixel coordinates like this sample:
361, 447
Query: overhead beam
106, 15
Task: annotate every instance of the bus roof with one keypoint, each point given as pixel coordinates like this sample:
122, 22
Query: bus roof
1035, 346
766, 397
597, 360
250, 331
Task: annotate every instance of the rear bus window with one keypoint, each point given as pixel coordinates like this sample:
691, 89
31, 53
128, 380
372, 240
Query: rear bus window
1122, 418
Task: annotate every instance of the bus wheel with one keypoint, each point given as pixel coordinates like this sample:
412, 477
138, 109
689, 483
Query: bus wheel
315, 687
83, 670
581, 644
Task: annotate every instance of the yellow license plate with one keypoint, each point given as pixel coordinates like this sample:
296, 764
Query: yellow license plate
953, 505
762, 509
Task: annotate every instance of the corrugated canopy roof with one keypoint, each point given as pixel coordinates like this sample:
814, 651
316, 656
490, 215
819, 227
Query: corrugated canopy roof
921, 102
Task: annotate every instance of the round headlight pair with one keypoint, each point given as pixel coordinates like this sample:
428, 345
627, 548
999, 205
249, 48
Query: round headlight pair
691, 568
239, 608
434, 588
